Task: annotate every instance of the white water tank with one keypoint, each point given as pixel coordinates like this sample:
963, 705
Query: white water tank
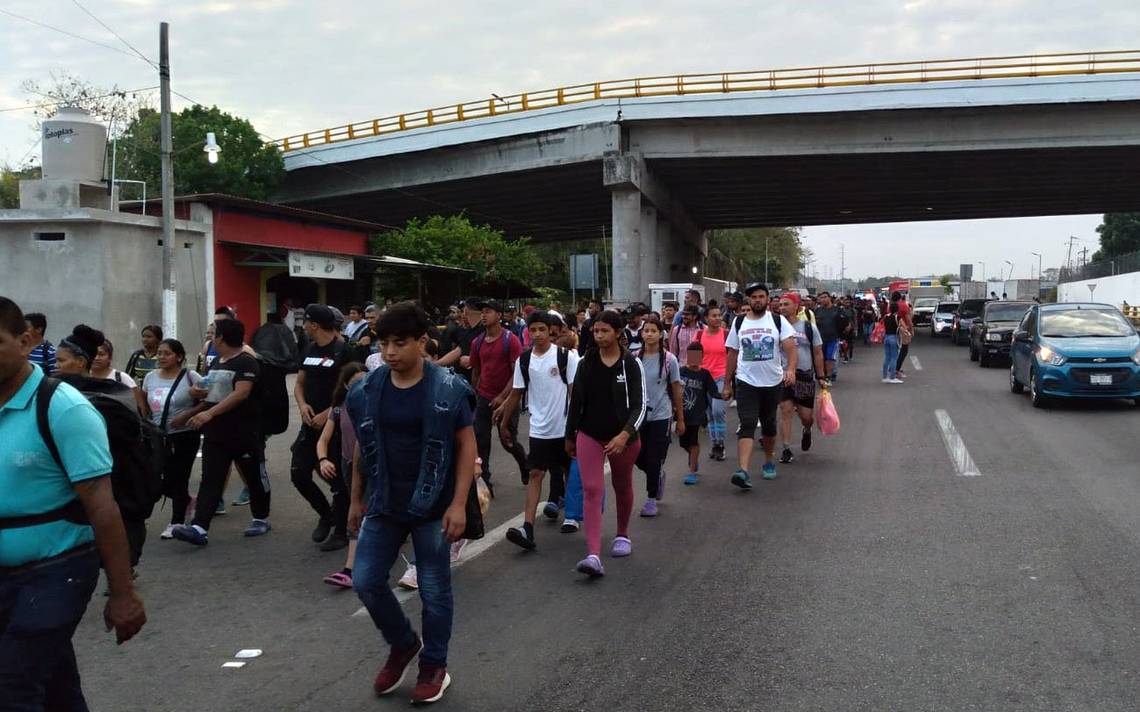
74, 146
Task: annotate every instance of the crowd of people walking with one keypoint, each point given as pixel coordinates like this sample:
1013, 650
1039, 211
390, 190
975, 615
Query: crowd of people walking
397, 418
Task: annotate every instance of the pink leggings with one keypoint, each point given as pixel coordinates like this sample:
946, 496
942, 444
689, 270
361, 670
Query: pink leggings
591, 463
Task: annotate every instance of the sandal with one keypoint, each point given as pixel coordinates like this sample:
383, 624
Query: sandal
340, 579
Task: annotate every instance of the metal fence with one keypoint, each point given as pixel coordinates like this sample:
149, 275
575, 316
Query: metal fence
938, 70
1119, 264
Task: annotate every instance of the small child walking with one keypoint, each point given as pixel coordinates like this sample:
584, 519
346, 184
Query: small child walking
699, 389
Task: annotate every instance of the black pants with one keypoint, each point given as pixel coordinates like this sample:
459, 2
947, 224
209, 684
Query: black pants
181, 451
902, 356
654, 436
301, 471
757, 404
483, 411
216, 461
136, 537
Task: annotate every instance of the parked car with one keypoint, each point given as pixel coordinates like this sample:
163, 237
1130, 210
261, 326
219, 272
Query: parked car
1081, 350
943, 318
991, 335
923, 310
968, 310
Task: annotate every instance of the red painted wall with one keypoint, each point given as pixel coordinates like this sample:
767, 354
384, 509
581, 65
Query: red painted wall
249, 229
237, 287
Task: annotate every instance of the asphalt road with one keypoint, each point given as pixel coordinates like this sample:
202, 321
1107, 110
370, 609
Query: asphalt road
869, 576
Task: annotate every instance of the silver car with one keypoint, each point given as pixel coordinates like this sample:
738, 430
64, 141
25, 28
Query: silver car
943, 318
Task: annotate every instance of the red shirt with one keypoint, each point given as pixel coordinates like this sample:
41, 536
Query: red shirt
715, 360
494, 361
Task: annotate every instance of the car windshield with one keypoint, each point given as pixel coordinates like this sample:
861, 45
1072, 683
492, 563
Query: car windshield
970, 309
1006, 312
947, 307
926, 302
1076, 323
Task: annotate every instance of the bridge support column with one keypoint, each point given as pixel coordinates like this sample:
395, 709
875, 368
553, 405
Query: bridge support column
627, 223
661, 270
650, 248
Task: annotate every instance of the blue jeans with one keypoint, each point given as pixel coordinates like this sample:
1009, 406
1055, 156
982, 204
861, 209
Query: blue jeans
890, 355
40, 607
376, 551
575, 500
718, 409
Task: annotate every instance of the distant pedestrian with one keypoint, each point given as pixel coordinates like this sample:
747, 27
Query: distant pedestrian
336, 463
102, 366
663, 408
492, 361
715, 360
43, 353
891, 324
145, 360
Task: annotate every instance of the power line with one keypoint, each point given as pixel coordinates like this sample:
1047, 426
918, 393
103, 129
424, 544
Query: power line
46, 104
116, 34
65, 32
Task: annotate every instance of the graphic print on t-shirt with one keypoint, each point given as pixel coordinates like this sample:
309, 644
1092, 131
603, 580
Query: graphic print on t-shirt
757, 343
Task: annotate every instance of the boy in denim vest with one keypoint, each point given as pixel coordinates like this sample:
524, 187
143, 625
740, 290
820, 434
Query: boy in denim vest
413, 465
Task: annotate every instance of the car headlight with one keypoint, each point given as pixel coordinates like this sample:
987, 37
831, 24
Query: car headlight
1136, 357
995, 337
1049, 356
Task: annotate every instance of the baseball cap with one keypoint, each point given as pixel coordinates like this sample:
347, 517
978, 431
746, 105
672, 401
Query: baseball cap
754, 286
321, 315
793, 297
493, 305
338, 316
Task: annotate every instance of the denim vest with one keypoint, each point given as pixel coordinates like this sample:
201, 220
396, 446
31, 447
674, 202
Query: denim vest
445, 389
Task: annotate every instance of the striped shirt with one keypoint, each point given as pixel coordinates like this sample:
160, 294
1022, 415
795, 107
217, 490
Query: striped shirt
44, 357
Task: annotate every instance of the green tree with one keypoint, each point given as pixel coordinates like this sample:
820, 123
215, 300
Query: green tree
945, 281
455, 242
247, 167
738, 255
1119, 235
10, 184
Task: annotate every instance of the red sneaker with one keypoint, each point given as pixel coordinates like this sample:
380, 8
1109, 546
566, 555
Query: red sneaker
393, 672
432, 682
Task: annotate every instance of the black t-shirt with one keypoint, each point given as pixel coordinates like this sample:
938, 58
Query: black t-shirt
402, 422
699, 388
240, 427
321, 367
599, 411
461, 336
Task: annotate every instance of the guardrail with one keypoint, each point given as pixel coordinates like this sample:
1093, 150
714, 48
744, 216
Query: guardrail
940, 70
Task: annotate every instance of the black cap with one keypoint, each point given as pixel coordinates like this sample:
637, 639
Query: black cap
753, 286
493, 305
321, 315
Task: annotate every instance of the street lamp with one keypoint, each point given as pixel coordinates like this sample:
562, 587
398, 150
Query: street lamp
983, 264
212, 150
1010, 269
1039, 271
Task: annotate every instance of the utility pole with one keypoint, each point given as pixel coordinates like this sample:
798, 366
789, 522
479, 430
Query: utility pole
842, 267
1084, 256
1069, 258
169, 293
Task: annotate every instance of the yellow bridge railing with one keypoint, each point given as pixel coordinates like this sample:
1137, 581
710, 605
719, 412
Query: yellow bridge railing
940, 70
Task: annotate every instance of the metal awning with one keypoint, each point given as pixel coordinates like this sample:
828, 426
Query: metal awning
259, 256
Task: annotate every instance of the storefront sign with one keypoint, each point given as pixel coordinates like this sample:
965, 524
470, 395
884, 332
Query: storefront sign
311, 264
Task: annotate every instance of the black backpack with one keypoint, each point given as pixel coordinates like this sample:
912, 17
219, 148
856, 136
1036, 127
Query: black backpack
138, 449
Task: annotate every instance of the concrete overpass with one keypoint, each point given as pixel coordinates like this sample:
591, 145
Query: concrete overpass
655, 170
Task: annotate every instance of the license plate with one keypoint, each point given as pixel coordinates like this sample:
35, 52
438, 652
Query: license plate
1100, 379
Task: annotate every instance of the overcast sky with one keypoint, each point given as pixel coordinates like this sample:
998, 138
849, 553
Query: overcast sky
291, 66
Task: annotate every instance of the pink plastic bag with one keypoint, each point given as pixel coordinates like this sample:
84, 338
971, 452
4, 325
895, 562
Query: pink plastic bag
826, 414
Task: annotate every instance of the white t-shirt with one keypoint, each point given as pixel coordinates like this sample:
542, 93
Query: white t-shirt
119, 377
157, 387
546, 400
759, 363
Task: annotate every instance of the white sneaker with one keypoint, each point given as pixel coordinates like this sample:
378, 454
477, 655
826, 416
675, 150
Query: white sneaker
895, 380
457, 549
167, 533
886, 380
408, 580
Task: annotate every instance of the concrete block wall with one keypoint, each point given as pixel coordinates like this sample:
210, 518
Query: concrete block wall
1109, 290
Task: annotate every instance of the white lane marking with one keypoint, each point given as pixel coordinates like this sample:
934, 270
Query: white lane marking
959, 456
471, 551
916, 363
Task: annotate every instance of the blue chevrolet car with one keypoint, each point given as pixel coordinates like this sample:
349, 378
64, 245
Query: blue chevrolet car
1075, 351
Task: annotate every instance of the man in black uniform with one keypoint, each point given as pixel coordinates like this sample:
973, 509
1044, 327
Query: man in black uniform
455, 347
326, 354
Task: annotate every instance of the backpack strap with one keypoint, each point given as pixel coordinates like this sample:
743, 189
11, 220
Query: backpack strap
563, 359
118, 376
72, 511
524, 367
169, 396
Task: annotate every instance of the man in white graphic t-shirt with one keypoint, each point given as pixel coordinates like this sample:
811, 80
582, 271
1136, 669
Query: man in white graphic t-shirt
758, 376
